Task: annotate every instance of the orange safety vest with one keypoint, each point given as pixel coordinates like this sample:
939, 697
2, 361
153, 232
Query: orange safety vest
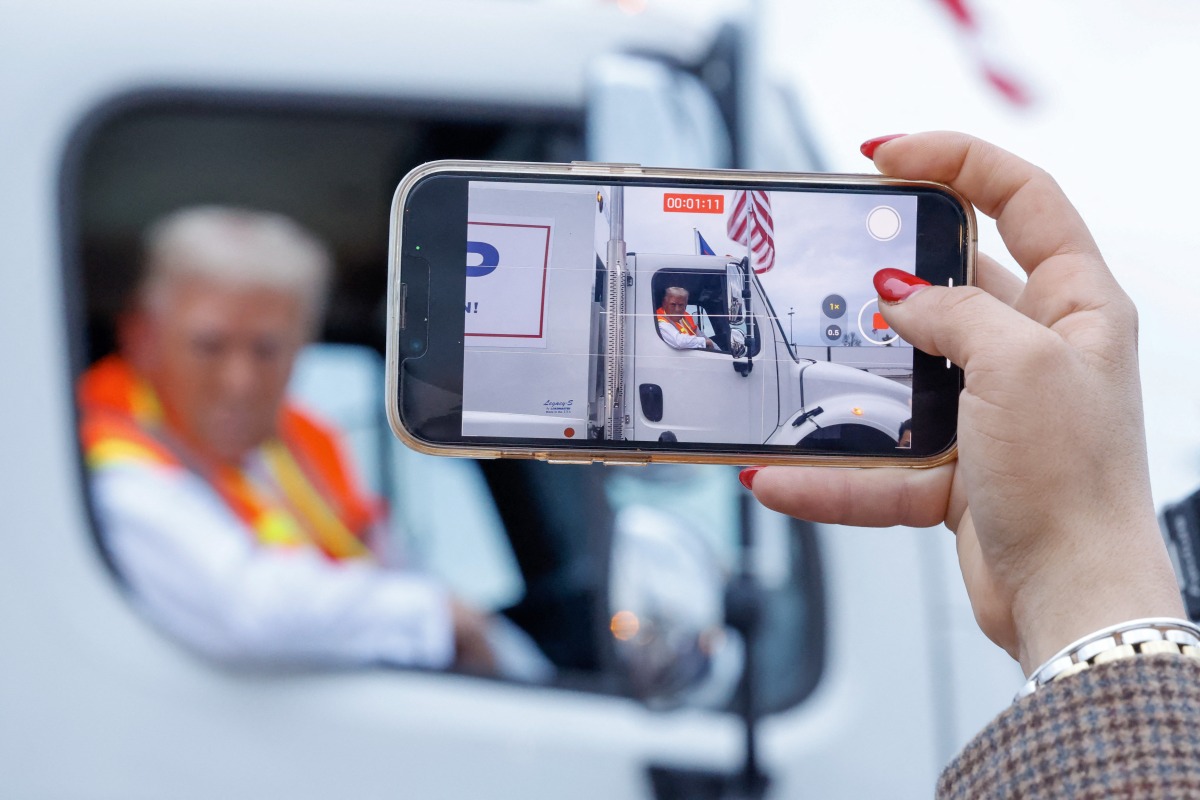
685, 324
313, 500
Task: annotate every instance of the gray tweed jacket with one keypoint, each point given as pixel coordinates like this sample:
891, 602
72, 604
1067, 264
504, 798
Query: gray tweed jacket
1128, 729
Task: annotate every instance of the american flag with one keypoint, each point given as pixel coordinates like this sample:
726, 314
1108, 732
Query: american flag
994, 71
750, 223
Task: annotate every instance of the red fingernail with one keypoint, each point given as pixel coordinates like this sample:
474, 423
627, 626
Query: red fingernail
894, 285
869, 147
746, 476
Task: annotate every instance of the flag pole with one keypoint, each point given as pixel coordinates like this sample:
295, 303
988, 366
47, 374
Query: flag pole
751, 225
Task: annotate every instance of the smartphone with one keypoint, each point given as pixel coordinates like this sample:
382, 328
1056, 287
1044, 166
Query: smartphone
604, 312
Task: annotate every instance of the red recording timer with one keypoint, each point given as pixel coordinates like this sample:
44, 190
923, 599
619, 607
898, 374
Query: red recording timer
694, 203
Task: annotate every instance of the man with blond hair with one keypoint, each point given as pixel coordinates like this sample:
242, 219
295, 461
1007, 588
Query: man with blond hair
676, 326
234, 517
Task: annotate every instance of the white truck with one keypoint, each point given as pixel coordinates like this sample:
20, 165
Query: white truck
872, 669
593, 364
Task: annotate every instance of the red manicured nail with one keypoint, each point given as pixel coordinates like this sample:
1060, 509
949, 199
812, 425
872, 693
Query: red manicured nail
869, 147
746, 476
894, 285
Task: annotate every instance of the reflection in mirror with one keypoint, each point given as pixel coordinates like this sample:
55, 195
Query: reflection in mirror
703, 502
733, 283
666, 595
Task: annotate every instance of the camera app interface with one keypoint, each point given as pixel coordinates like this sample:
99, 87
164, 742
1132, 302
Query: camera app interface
686, 316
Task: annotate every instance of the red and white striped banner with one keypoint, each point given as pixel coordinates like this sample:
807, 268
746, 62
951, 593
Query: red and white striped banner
994, 70
750, 223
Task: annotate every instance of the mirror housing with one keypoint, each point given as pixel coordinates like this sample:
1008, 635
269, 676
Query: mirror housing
667, 614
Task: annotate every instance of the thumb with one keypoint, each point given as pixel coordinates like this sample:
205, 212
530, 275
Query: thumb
956, 323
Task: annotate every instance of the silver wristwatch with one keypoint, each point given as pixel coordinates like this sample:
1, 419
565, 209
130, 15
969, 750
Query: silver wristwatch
1136, 637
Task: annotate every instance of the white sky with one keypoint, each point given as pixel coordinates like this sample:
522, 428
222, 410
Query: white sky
1114, 122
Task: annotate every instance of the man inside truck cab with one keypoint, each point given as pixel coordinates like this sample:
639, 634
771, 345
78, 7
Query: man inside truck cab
676, 325
233, 516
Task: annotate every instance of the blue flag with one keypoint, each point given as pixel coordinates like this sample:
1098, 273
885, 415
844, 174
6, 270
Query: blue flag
702, 248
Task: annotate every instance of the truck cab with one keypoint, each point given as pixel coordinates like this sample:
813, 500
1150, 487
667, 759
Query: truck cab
116, 113
753, 387
700, 395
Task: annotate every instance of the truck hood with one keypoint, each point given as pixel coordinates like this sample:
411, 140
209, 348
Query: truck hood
822, 379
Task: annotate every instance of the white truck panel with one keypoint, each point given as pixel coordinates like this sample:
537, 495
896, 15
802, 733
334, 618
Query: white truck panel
540, 384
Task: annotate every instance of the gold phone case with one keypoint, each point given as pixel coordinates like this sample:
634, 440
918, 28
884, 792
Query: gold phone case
629, 173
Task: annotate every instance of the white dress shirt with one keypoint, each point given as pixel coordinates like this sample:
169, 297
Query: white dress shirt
197, 571
680, 341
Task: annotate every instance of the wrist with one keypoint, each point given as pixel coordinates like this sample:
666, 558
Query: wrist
1070, 603
1137, 637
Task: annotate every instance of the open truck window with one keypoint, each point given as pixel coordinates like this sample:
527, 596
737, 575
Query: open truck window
714, 307
527, 540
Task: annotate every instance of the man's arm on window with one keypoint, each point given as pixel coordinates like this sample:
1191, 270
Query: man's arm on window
196, 570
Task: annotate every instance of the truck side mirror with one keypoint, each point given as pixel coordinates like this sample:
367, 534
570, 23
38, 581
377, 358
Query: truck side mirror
667, 617
733, 294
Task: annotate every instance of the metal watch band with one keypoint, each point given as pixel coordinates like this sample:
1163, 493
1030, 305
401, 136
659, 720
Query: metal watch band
1148, 636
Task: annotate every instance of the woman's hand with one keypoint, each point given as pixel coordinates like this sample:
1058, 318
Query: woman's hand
1050, 496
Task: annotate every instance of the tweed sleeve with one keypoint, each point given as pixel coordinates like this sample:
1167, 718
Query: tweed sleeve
1129, 728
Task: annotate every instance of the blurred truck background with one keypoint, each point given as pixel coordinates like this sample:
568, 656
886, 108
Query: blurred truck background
869, 670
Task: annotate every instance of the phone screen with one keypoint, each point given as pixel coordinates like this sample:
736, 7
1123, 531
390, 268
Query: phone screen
678, 317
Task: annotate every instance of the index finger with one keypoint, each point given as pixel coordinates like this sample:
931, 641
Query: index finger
862, 497
1034, 216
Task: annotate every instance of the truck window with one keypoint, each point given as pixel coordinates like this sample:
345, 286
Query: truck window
527, 540
708, 307
332, 167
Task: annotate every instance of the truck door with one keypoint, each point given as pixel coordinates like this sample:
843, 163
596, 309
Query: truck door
694, 395
773, 358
